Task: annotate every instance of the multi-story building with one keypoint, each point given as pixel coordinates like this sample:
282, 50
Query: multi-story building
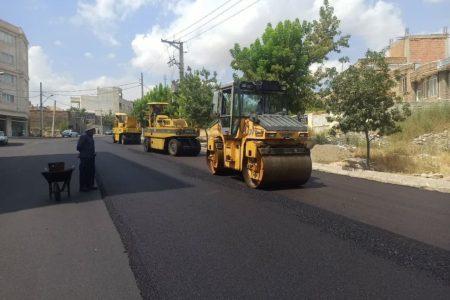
14, 101
421, 64
108, 100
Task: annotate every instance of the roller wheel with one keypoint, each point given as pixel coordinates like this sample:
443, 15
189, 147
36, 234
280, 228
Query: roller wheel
197, 147
147, 145
292, 170
252, 179
174, 147
214, 160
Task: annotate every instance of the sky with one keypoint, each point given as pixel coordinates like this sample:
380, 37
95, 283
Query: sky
77, 46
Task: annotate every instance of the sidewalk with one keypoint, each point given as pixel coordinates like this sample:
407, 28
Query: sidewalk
57, 250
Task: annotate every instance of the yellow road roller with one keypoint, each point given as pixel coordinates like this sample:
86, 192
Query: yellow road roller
126, 129
254, 135
172, 136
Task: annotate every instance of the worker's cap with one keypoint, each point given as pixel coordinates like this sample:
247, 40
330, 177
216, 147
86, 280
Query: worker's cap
89, 127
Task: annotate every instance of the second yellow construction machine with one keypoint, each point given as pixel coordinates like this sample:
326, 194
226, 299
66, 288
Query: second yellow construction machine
254, 135
126, 129
172, 136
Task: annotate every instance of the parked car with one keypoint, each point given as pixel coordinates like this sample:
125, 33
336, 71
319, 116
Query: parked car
108, 132
3, 138
69, 133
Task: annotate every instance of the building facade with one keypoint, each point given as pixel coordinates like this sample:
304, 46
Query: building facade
108, 100
54, 121
14, 99
421, 65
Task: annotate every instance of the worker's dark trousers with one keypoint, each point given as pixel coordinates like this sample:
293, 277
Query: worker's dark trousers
87, 172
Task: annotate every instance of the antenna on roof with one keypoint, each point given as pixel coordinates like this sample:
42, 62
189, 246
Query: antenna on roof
406, 31
445, 30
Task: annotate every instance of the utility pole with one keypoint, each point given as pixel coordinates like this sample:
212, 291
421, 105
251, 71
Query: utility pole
41, 113
179, 46
142, 86
101, 119
53, 119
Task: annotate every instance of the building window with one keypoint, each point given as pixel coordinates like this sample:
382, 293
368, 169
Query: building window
403, 85
7, 98
6, 58
432, 86
8, 78
6, 37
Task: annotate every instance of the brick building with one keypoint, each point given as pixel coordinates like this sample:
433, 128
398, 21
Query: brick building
421, 64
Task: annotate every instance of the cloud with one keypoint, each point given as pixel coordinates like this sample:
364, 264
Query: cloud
375, 22
63, 86
104, 16
88, 55
110, 56
433, 1
57, 43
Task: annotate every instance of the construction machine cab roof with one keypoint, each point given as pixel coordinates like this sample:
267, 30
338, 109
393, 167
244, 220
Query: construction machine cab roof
157, 107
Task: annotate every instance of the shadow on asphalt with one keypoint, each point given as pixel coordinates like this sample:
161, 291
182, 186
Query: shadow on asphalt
22, 185
13, 144
117, 176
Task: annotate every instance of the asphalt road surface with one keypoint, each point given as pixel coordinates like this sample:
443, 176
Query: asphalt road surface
189, 234
193, 235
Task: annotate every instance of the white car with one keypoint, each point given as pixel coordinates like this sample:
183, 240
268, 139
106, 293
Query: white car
69, 133
3, 138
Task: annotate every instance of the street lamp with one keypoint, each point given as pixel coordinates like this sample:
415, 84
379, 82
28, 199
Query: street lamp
42, 114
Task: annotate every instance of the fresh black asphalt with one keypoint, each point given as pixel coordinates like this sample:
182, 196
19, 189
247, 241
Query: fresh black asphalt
193, 235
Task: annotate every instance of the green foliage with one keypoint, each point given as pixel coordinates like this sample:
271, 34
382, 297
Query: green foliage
194, 97
363, 100
159, 93
433, 118
108, 120
286, 53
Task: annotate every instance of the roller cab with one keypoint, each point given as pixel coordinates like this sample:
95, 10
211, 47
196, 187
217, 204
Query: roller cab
172, 136
254, 135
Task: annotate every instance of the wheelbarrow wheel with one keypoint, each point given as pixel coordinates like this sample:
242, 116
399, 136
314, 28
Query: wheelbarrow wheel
56, 191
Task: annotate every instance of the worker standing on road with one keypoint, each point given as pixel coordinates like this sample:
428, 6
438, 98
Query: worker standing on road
86, 147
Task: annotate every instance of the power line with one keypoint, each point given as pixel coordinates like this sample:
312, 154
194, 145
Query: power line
92, 89
209, 21
208, 14
226, 19
103, 93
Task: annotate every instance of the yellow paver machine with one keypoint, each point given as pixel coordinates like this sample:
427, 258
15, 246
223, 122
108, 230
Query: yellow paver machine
172, 136
254, 135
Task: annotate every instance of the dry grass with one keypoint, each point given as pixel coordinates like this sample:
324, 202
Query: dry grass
406, 159
402, 156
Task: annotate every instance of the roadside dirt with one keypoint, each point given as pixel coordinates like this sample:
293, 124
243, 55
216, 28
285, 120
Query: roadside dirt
339, 160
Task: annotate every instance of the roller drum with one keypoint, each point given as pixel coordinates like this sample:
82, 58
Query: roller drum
295, 169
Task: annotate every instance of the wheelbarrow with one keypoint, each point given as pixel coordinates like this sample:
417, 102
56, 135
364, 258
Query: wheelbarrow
58, 179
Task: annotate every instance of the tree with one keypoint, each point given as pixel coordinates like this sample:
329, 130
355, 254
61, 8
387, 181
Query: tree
363, 100
159, 93
194, 97
286, 53
108, 119
78, 118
